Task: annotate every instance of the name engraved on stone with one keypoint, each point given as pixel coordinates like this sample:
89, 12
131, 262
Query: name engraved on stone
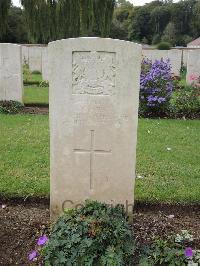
92, 152
93, 73
96, 111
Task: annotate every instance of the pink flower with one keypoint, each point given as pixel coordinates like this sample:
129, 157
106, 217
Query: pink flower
42, 240
33, 255
189, 252
193, 77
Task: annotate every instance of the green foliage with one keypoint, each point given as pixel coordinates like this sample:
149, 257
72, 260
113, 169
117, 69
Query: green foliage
170, 252
160, 16
4, 9
49, 20
32, 82
44, 84
170, 34
103, 13
10, 107
16, 31
163, 20
67, 22
141, 25
183, 72
156, 39
121, 20
185, 101
26, 72
96, 234
164, 46
36, 72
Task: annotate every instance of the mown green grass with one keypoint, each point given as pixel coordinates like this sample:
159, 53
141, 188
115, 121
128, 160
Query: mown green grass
28, 76
36, 95
24, 155
168, 176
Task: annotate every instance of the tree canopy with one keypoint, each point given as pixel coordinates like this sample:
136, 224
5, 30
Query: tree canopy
49, 20
4, 8
177, 23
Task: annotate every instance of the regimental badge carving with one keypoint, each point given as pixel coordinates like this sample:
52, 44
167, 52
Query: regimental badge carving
93, 73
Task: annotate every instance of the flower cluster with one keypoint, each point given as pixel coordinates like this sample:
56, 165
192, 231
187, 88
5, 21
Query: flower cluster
33, 255
194, 78
156, 83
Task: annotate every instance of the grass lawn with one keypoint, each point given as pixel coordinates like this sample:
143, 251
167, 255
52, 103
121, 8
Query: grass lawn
36, 95
169, 175
32, 77
24, 156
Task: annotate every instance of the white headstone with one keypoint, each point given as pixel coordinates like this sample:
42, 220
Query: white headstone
35, 58
94, 92
11, 84
45, 66
185, 57
158, 54
175, 57
147, 53
25, 55
193, 66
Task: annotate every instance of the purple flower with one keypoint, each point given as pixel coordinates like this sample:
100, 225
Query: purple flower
32, 256
42, 240
156, 83
189, 252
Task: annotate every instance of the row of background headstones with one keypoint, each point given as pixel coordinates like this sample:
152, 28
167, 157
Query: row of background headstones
12, 57
189, 58
37, 59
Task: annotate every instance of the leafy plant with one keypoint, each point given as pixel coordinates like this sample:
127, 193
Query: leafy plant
10, 107
96, 234
185, 101
164, 46
183, 72
156, 85
26, 72
173, 251
44, 83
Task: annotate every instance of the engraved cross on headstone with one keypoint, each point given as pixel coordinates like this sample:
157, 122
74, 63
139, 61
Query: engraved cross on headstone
92, 151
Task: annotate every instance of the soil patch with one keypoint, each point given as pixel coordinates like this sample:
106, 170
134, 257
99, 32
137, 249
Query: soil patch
21, 224
36, 110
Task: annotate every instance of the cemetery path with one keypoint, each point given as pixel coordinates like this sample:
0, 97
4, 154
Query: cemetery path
22, 223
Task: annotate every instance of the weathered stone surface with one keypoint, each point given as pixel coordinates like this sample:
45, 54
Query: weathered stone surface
185, 56
94, 91
147, 53
155, 54
11, 84
193, 66
175, 57
35, 58
45, 66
